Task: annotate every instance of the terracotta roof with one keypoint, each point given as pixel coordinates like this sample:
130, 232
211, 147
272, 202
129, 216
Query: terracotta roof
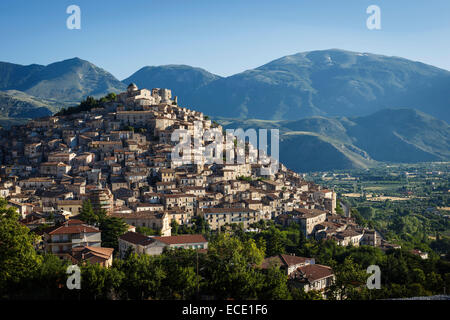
181, 239
136, 238
314, 272
75, 222
71, 229
225, 210
293, 260
309, 213
101, 250
168, 183
252, 201
38, 179
96, 254
144, 214
347, 233
285, 260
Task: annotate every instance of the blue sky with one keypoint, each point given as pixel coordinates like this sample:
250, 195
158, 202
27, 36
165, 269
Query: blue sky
224, 37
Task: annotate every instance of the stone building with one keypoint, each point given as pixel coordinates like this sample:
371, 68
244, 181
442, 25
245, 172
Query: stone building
102, 199
159, 221
309, 218
142, 244
313, 277
218, 217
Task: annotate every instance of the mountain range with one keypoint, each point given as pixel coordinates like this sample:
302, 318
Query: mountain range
326, 83
390, 135
65, 82
346, 108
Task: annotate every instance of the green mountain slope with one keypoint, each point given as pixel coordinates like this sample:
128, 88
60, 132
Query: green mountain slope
391, 135
66, 81
328, 83
15, 76
21, 106
308, 151
401, 135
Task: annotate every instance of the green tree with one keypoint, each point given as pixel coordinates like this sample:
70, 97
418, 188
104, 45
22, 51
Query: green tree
148, 231
111, 96
300, 294
274, 242
418, 276
434, 282
180, 266
18, 258
143, 277
87, 213
350, 278
112, 228
50, 279
99, 282
174, 227
339, 209
301, 240
231, 269
359, 219
200, 225
366, 212
275, 285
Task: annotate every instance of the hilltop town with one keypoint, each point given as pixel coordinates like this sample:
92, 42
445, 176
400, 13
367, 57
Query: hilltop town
119, 156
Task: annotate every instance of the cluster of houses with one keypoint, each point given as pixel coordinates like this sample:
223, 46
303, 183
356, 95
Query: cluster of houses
120, 158
323, 225
76, 241
302, 273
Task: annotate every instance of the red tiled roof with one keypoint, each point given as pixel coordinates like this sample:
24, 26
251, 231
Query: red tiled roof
71, 227
309, 213
136, 238
89, 253
293, 260
285, 260
181, 239
226, 210
314, 272
144, 214
75, 222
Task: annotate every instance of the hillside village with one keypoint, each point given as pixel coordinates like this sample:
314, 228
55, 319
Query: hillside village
118, 156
